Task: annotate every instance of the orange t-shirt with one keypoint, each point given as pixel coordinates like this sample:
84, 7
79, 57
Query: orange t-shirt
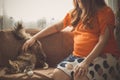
85, 39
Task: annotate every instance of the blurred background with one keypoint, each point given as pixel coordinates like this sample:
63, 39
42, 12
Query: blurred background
37, 13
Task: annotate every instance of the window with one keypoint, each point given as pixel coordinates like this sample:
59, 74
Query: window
34, 11
37, 13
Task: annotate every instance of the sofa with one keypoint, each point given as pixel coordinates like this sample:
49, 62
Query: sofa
56, 46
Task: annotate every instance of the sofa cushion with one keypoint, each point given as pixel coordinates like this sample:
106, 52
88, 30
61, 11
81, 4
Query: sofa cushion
57, 47
39, 74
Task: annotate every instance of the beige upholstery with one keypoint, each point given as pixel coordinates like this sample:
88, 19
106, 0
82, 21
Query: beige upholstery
56, 46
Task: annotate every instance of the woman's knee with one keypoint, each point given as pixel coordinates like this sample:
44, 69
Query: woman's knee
59, 74
81, 78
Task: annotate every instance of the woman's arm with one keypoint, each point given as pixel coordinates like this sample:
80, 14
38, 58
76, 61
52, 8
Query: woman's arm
81, 69
103, 39
49, 30
45, 32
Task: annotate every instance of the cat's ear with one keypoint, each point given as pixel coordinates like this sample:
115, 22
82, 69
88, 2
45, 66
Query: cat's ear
11, 62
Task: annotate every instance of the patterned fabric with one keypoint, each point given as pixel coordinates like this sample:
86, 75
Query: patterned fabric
105, 67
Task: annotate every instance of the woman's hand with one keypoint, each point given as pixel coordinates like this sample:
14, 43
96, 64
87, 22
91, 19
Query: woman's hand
81, 70
28, 43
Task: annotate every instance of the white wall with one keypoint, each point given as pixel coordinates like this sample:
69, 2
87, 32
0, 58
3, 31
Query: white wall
106, 1
1, 7
28, 10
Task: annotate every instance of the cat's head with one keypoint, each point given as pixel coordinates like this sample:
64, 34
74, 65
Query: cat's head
13, 68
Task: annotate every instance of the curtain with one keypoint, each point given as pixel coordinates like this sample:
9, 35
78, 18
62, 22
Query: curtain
113, 4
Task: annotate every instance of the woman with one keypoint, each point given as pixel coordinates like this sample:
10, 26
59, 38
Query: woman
93, 22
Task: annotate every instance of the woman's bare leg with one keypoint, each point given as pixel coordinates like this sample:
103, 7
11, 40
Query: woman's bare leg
81, 78
59, 75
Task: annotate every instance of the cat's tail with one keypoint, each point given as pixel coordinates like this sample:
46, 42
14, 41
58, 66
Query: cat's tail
19, 31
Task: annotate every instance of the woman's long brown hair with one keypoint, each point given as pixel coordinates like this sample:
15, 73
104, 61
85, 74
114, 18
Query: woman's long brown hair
90, 6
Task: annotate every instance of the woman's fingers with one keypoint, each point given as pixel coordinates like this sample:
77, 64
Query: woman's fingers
25, 46
76, 70
28, 43
80, 71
